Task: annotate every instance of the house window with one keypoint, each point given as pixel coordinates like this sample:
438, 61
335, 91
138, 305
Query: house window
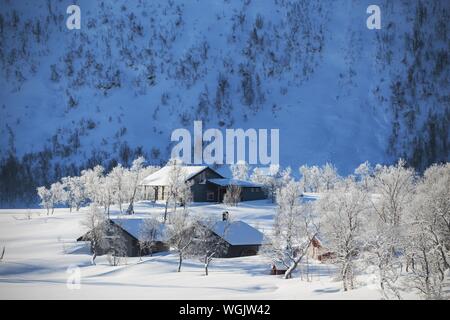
210, 196
202, 178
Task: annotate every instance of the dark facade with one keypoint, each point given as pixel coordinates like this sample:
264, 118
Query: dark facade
247, 193
234, 250
204, 190
133, 247
241, 251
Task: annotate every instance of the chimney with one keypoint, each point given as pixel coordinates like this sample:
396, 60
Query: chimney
225, 216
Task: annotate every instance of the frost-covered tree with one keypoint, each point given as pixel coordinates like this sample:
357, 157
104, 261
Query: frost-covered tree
75, 191
285, 177
383, 248
294, 229
134, 177
181, 232
208, 245
342, 211
51, 197
46, 198
393, 189
310, 178
240, 170
318, 179
363, 174
178, 189
386, 226
232, 196
117, 249
428, 234
107, 192
117, 179
328, 177
185, 194
97, 225
270, 179
149, 232
58, 194
92, 183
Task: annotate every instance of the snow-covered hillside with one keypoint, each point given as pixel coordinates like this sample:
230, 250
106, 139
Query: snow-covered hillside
115, 89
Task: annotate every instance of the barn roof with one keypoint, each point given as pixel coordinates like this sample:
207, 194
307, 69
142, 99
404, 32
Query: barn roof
161, 177
238, 233
133, 227
235, 182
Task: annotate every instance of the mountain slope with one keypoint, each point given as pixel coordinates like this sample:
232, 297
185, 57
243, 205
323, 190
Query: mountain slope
338, 91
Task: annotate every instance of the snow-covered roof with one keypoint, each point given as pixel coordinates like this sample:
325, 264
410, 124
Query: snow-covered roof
133, 227
234, 232
241, 183
161, 177
267, 171
309, 196
238, 233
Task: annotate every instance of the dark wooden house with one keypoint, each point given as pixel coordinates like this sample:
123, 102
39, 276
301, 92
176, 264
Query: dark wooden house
129, 232
241, 239
207, 185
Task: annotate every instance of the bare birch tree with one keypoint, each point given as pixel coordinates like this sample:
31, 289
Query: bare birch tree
181, 234
342, 213
149, 233
97, 225
294, 229
209, 245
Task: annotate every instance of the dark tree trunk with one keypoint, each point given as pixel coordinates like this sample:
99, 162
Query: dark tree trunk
165, 211
180, 261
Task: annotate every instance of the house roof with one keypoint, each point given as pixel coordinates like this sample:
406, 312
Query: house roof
133, 227
238, 233
240, 183
235, 233
161, 177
